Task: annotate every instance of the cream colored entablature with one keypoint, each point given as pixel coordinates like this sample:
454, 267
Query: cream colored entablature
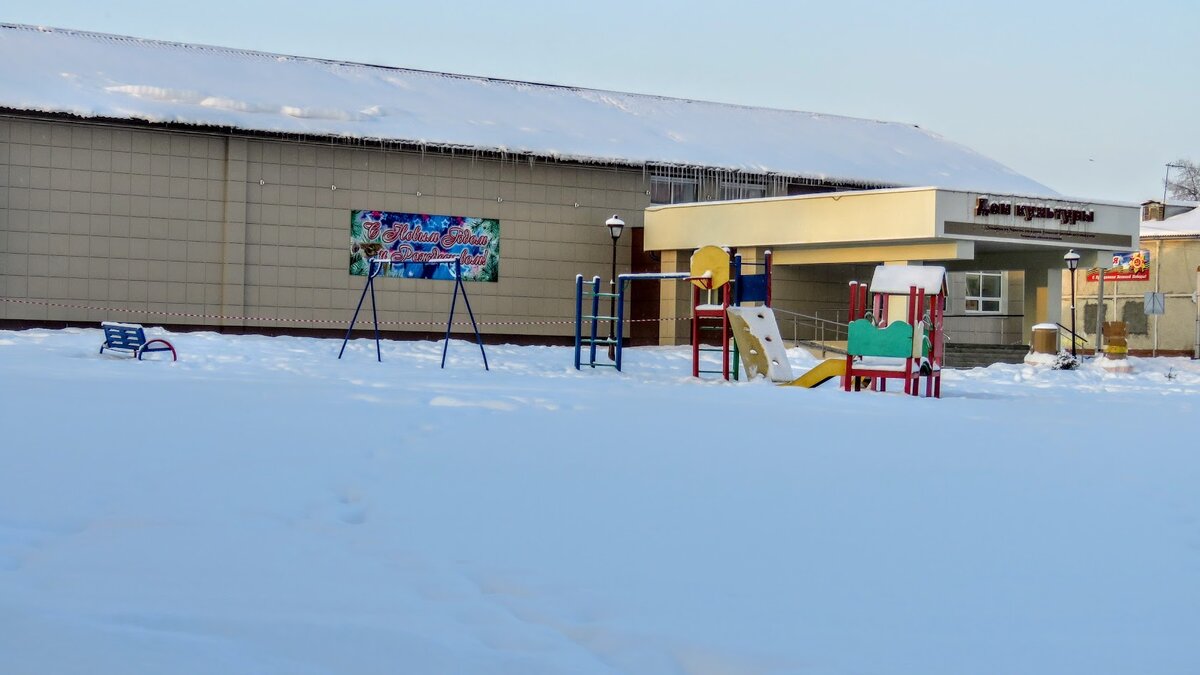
860, 217
898, 224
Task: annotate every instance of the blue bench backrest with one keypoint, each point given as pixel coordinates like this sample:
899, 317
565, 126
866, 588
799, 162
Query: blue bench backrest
118, 336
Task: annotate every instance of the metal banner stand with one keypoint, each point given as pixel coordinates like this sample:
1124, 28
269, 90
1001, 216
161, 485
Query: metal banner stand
375, 267
458, 285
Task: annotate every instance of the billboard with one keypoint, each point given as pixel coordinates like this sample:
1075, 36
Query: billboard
408, 241
1131, 266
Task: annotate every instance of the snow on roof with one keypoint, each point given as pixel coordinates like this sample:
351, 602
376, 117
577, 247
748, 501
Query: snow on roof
1185, 224
899, 278
105, 76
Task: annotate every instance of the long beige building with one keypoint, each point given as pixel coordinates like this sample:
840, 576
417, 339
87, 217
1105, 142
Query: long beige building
187, 185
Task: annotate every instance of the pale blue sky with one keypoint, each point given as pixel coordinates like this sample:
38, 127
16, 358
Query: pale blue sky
1089, 99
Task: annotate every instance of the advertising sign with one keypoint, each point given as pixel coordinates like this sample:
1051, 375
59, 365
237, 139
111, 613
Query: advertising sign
1131, 266
409, 241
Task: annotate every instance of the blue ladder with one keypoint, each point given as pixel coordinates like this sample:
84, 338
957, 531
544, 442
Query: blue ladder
592, 291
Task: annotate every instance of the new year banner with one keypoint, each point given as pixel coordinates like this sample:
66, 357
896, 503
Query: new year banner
1131, 266
409, 241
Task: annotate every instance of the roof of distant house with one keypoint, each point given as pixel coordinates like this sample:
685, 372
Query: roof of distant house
92, 75
1185, 224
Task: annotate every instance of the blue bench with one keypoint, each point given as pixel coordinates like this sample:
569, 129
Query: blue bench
130, 337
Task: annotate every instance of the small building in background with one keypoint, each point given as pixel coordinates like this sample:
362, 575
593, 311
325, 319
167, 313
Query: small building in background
1166, 262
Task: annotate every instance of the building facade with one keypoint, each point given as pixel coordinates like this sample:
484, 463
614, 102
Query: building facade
142, 182
183, 228
1170, 240
823, 240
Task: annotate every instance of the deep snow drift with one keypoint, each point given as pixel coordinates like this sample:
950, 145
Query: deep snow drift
261, 507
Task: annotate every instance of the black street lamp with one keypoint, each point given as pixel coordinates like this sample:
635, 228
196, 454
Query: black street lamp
1072, 259
615, 225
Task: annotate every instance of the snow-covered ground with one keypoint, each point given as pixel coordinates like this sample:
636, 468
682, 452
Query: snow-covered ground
261, 507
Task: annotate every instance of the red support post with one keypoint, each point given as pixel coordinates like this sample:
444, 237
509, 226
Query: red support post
695, 332
908, 363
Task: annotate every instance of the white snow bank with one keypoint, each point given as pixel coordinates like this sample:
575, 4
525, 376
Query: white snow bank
260, 506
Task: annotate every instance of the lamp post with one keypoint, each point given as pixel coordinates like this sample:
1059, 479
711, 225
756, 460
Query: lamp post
1072, 260
614, 225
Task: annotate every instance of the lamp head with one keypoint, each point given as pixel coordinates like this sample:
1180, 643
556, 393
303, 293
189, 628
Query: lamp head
1072, 259
615, 225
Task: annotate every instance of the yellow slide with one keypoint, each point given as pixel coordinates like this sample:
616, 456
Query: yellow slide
821, 373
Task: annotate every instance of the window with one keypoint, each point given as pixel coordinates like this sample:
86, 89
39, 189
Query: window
665, 190
985, 292
742, 191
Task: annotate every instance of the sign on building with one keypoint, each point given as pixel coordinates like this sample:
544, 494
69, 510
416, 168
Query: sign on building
1131, 266
408, 241
1156, 303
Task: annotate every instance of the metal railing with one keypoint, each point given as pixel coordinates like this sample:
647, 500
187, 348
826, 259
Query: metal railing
1005, 328
1078, 340
814, 331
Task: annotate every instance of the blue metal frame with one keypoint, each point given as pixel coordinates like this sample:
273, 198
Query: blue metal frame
592, 339
458, 285
620, 324
619, 338
374, 269
749, 288
578, 317
622, 283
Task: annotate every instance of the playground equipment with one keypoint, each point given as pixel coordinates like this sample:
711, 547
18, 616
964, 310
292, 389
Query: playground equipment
734, 290
908, 349
820, 374
759, 344
592, 290
875, 352
763, 352
712, 271
376, 267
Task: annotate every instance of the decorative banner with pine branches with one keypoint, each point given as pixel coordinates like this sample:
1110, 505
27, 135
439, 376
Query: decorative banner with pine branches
409, 240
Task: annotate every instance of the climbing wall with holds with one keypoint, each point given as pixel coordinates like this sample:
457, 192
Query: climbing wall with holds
758, 340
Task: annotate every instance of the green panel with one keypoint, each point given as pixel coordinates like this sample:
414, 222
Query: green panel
865, 339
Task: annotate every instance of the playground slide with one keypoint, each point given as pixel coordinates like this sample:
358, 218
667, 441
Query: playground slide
758, 341
763, 352
824, 371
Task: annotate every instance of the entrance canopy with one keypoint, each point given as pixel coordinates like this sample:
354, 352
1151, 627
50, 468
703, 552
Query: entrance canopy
963, 230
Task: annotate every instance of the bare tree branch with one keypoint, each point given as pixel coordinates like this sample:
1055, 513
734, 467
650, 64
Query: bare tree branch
1184, 180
